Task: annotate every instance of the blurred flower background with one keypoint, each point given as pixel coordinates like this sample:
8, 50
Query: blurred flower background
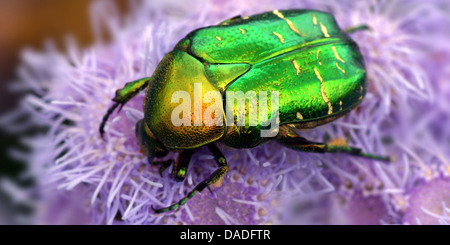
59, 171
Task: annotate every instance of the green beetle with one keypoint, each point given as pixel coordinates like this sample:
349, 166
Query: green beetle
316, 69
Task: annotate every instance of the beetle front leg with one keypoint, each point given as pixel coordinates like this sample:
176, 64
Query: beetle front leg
213, 178
123, 95
289, 138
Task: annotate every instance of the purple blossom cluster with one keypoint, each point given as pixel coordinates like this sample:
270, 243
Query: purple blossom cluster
406, 112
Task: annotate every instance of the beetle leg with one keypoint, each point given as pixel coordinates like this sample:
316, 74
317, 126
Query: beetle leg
123, 95
164, 165
357, 28
213, 178
105, 118
181, 165
289, 138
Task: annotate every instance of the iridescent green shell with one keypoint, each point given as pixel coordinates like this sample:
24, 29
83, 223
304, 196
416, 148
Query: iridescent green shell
316, 68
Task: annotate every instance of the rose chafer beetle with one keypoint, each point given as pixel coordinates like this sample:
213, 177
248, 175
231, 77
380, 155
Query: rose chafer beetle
315, 66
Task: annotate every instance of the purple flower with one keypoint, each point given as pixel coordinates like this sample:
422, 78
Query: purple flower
428, 203
404, 114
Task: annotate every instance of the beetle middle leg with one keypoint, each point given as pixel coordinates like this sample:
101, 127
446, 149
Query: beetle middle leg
289, 138
213, 178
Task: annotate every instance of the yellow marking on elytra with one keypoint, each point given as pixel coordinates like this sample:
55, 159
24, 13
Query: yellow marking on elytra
337, 55
279, 37
314, 20
246, 17
277, 13
322, 91
296, 66
343, 71
340, 105
242, 30
218, 38
299, 115
293, 28
317, 56
324, 30
288, 21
